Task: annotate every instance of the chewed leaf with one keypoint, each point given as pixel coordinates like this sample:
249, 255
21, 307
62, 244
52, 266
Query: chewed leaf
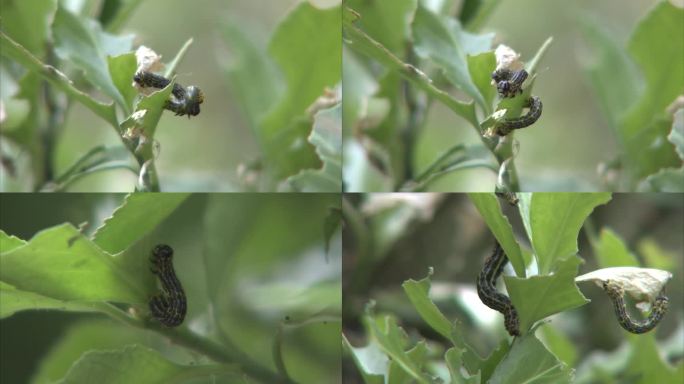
642, 284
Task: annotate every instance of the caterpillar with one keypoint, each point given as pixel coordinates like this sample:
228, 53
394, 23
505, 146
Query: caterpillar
187, 100
188, 105
508, 84
486, 290
658, 310
169, 306
504, 127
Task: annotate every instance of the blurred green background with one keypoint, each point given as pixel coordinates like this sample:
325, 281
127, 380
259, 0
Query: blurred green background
406, 234
245, 265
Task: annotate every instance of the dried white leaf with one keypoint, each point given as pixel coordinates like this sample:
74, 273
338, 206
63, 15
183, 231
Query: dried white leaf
507, 58
642, 284
148, 60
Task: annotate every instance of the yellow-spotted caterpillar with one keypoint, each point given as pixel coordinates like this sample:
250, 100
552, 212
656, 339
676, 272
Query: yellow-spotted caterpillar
186, 101
658, 310
169, 306
508, 84
486, 289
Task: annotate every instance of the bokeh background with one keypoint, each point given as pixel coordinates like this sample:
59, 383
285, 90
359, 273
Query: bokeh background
406, 234
245, 268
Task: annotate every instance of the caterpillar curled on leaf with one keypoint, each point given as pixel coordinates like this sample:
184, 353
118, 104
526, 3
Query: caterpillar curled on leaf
486, 290
185, 101
659, 308
504, 127
170, 306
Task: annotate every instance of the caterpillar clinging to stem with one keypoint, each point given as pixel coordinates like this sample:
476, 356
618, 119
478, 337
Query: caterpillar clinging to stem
169, 306
508, 84
486, 290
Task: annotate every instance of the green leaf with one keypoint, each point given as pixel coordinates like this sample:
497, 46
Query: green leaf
538, 297
252, 76
139, 215
9, 242
28, 22
553, 221
453, 358
480, 67
645, 361
62, 264
488, 365
387, 22
326, 136
665, 180
435, 39
644, 128
371, 361
418, 293
676, 135
611, 251
488, 206
417, 354
393, 341
611, 72
138, 130
87, 47
308, 69
13, 300
138, 364
360, 174
13, 50
82, 337
559, 344
529, 361
121, 69
173, 64
362, 43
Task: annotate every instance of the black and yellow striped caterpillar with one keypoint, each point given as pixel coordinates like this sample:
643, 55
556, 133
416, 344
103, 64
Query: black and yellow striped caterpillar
486, 290
186, 101
615, 292
169, 306
508, 84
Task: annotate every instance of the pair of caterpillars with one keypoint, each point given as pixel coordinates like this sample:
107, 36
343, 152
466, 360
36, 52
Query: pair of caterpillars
185, 101
508, 84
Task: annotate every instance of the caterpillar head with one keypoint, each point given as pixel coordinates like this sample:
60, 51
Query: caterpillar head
162, 252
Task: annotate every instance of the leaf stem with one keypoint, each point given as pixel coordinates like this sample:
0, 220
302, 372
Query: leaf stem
13, 50
359, 40
183, 336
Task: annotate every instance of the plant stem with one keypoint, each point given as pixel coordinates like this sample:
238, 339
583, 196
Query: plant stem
415, 104
226, 353
367, 45
13, 50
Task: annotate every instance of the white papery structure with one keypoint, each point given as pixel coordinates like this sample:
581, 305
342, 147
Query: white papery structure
642, 284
